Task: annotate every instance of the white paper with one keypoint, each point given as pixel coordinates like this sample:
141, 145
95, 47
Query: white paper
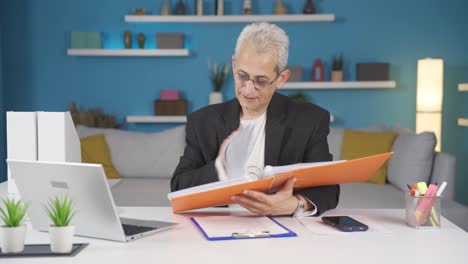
273, 170
206, 187
317, 227
237, 152
225, 226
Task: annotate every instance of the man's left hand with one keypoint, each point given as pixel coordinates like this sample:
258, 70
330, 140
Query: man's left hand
283, 202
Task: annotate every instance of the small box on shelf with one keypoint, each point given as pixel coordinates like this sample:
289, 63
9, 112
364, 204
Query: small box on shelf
170, 107
373, 71
170, 40
169, 95
296, 74
86, 40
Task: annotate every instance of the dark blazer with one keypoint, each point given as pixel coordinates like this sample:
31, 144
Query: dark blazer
294, 132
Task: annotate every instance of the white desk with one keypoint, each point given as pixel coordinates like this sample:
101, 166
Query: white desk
184, 243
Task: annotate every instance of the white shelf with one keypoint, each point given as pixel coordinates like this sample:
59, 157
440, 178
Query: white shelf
157, 119
128, 52
463, 87
232, 18
169, 119
340, 85
463, 122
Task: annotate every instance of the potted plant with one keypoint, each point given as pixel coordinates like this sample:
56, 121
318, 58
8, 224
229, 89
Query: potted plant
219, 74
298, 97
337, 69
13, 232
61, 233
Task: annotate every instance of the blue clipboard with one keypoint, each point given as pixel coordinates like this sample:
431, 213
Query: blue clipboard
235, 236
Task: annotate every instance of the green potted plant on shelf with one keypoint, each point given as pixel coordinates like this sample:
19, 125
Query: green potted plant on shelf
219, 74
337, 69
299, 97
61, 212
13, 232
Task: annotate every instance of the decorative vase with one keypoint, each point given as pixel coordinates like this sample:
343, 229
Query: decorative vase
337, 76
247, 9
280, 8
199, 7
128, 39
61, 238
309, 7
219, 10
165, 8
141, 40
180, 8
216, 98
12, 238
318, 71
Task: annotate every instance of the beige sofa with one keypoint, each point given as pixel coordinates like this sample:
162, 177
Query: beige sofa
146, 162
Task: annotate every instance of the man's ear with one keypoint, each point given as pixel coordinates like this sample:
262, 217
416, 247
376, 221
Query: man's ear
283, 78
233, 62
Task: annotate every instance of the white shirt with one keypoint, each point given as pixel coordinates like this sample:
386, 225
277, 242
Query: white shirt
256, 155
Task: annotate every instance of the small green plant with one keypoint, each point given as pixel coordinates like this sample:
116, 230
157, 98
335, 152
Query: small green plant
219, 74
338, 63
15, 212
298, 97
61, 211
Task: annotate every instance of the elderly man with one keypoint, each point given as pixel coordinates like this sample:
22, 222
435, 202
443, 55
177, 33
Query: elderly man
284, 132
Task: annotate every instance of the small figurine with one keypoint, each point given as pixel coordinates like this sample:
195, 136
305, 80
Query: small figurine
309, 7
141, 40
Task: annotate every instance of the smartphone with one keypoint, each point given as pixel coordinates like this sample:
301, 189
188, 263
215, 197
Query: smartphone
344, 223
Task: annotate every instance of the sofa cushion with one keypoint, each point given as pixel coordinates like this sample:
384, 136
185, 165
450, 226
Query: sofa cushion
137, 154
357, 144
94, 149
335, 138
412, 158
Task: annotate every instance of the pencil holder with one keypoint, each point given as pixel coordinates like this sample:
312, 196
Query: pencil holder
422, 212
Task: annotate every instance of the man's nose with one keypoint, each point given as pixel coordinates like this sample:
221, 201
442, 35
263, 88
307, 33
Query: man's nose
250, 86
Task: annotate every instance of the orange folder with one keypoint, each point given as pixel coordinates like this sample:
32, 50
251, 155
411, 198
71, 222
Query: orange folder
355, 170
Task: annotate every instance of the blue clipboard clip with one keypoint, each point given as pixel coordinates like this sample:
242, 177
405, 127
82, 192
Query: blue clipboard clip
247, 235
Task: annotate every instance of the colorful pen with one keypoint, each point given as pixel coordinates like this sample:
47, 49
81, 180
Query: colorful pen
441, 188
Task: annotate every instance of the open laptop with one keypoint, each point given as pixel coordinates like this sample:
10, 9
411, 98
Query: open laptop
86, 184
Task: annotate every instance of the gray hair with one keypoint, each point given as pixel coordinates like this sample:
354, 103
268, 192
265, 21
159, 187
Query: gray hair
265, 37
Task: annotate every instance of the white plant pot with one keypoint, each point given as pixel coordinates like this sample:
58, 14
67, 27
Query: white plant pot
61, 238
216, 98
12, 238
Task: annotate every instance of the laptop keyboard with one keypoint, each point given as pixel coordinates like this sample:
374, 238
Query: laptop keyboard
131, 230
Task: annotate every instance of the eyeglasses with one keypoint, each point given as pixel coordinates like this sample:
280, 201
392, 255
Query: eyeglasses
259, 83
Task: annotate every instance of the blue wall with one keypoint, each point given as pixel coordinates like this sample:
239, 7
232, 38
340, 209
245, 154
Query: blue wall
2, 110
40, 76
2, 114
